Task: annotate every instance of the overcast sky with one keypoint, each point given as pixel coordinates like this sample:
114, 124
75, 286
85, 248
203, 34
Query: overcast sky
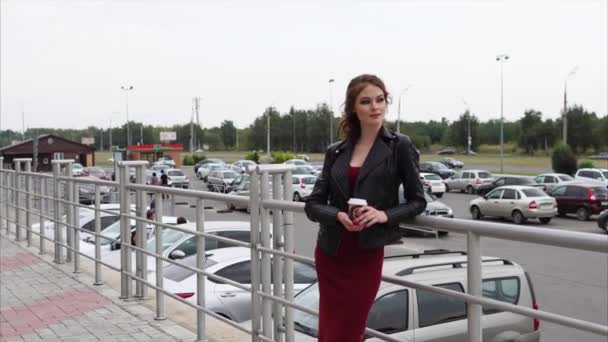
63, 62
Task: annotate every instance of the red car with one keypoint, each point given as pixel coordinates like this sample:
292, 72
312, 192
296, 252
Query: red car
96, 172
581, 199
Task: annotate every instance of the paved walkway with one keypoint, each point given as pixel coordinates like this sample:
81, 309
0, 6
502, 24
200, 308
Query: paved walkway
42, 301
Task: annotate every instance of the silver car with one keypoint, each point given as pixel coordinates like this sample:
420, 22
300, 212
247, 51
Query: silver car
404, 313
517, 202
219, 180
552, 180
468, 180
233, 263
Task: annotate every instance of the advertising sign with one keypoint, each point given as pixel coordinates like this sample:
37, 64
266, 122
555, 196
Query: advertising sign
168, 136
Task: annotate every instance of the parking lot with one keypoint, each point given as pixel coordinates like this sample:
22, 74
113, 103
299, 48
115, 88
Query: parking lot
566, 281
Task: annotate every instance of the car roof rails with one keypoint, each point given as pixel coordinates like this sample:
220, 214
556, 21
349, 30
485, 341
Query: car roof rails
427, 252
459, 264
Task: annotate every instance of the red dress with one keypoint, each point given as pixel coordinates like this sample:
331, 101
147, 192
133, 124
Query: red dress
348, 284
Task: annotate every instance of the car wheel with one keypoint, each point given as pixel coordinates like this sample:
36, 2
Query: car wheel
582, 214
544, 220
198, 175
296, 197
439, 194
470, 190
518, 217
476, 213
443, 233
230, 206
561, 213
447, 188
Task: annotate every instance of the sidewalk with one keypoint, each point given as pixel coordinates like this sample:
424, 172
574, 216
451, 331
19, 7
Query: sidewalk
43, 301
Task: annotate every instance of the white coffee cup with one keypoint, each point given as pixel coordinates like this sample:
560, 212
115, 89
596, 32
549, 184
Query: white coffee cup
353, 204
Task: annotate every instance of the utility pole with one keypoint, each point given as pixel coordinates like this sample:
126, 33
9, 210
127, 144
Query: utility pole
196, 106
127, 89
141, 133
110, 134
331, 113
101, 139
237, 137
22, 123
565, 112
399, 109
469, 139
268, 132
191, 134
501, 58
35, 154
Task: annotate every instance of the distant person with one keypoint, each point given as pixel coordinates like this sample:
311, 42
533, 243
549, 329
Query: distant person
154, 179
164, 179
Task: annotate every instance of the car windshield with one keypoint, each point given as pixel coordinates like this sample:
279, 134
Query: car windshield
175, 173
600, 191
248, 162
230, 174
168, 238
432, 177
439, 166
484, 175
111, 233
524, 181
305, 322
178, 273
77, 166
96, 170
534, 193
565, 178
605, 173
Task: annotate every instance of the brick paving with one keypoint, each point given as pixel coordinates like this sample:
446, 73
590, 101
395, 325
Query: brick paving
41, 302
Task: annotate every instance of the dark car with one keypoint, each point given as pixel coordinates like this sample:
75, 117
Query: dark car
207, 161
447, 151
602, 220
436, 168
452, 163
581, 199
507, 180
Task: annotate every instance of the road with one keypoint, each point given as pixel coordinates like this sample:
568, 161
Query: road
568, 282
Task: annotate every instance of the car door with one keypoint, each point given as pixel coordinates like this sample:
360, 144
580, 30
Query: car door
559, 193
452, 182
236, 301
390, 314
440, 318
572, 199
490, 205
506, 203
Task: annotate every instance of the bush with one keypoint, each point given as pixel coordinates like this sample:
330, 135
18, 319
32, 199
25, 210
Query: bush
281, 156
188, 160
586, 164
198, 157
253, 155
266, 159
563, 160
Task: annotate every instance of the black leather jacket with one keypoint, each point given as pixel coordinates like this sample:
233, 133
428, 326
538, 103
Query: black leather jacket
392, 161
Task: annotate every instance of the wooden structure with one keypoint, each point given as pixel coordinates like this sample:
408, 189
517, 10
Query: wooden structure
153, 153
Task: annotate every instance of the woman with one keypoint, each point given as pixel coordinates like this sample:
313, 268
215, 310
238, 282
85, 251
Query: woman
370, 163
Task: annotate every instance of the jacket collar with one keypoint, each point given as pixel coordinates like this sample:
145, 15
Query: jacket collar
377, 154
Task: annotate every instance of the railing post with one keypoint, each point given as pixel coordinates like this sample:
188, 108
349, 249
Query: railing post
474, 286
76, 225
98, 280
277, 263
141, 260
288, 245
67, 196
2, 197
172, 205
125, 234
56, 228
16, 188
201, 323
158, 235
28, 202
266, 281
42, 205
254, 203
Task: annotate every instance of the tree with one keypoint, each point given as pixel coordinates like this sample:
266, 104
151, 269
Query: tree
228, 133
530, 129
459, 131
563, 160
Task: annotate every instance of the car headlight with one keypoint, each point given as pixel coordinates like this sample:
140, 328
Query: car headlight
450, 212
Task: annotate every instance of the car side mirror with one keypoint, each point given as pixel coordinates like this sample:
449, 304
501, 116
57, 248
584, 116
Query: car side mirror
177, 254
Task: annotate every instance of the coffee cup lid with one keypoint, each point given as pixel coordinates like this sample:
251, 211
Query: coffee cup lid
357, 201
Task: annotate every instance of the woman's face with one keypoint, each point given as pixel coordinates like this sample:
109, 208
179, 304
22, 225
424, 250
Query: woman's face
370, 106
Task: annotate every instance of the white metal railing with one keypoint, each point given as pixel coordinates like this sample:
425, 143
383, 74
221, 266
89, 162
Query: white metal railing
272, 309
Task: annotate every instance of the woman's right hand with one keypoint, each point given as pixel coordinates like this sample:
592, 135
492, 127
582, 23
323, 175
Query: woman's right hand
347, 223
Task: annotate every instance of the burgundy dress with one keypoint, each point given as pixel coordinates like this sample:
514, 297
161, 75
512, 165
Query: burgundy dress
348, 284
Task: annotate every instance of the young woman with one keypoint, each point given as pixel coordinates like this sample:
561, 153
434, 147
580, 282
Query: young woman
370, 163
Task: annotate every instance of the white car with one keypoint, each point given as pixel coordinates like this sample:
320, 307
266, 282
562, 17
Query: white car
77, 169
518, 202
204, 171
233, 263
597, 175
552, 180
302, 186
177, 179
432, 183
296, 162
241, 166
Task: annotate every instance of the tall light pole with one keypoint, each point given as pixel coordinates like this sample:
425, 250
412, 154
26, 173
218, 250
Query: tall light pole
399, 109
331, 113
127, 89
501, 58
564, 115
469, 139
268, 132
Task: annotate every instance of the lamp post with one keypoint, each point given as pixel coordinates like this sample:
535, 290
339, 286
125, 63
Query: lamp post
331, 113
399, 109
469, 139
268, 132
501, 58
127, 89
564, 115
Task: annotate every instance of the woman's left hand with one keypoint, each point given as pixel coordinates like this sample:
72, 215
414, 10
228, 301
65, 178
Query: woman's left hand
368, 216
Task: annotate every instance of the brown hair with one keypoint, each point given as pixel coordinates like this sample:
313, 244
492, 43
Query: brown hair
350, 127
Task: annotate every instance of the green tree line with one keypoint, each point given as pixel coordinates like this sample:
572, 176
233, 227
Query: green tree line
308, 130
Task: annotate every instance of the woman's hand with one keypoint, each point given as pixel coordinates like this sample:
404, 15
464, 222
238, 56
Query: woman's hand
368, 216
347, 223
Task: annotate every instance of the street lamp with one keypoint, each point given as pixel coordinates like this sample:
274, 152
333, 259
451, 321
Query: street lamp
331, 113
468, 126
399, 109
501, 58
126, 90
268, 132
565, 117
